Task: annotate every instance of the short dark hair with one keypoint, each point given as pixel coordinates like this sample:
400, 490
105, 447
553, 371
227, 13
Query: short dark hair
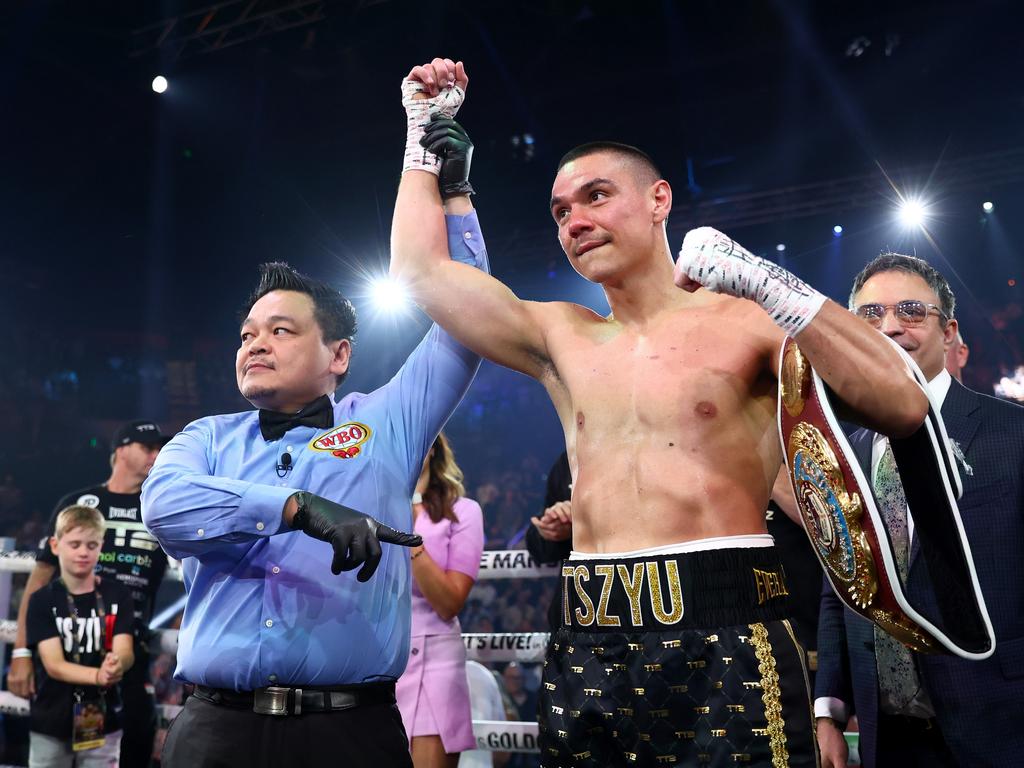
333, 312
898, 262
649, 172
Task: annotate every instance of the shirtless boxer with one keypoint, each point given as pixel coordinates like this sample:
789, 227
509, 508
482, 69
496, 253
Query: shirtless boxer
674, 646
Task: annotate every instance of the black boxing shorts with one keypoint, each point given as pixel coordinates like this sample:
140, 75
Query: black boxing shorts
682, 658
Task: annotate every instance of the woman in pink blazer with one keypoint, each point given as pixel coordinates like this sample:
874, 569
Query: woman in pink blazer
433, 694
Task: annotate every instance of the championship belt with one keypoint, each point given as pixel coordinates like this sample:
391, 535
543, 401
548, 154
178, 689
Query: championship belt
847, 531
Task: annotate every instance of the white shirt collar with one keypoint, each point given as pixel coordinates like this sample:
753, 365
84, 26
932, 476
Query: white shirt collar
939, 386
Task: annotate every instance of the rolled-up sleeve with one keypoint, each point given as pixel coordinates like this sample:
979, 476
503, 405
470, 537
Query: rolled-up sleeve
434, 378
192, 513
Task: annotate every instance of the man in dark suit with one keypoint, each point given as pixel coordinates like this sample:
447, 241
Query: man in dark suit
920, 709
549, 538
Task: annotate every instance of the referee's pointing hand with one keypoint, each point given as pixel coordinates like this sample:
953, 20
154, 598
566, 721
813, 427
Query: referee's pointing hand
355, 537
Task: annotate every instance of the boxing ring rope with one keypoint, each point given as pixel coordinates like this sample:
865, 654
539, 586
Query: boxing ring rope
485, 647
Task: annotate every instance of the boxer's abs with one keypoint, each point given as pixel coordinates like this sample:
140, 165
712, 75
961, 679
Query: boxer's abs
642, 488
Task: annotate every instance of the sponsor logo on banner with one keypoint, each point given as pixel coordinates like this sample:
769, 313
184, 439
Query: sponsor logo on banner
343, 442
506, 646
503, 736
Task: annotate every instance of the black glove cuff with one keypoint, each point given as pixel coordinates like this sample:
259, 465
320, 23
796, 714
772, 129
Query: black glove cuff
449, 191
299, 518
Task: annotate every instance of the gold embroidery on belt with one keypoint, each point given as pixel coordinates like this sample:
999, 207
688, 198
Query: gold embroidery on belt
566, 610
579, 575
603, 619
771, 694
633, 588
675, 590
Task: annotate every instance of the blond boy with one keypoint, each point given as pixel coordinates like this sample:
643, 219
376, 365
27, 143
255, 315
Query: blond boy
80, 630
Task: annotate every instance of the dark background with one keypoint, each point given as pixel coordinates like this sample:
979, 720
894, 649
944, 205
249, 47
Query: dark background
131, 223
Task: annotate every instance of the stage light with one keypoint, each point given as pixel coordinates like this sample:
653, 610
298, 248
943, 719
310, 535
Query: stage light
159, 84
987, 206
913, 213
388, 295
780, 247
837, 230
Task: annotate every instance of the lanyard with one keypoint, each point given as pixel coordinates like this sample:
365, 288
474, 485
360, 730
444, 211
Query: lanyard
76, 656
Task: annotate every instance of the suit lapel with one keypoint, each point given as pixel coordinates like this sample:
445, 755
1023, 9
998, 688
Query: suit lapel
861, 441
958, 412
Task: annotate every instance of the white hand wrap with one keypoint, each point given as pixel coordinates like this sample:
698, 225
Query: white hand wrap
417, 115
722, 265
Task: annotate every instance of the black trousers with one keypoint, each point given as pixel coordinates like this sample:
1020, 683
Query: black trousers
905, 742
206, 735
139, 724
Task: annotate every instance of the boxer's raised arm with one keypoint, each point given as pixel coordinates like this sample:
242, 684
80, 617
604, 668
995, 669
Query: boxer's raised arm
476, 309
858, 363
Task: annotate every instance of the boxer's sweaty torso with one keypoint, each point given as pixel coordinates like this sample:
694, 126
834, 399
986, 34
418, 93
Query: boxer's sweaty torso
674, 422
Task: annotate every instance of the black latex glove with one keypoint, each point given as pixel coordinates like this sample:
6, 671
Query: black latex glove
449, 141
355, 537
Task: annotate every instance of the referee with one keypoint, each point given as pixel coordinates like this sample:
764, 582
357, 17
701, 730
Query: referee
293, 662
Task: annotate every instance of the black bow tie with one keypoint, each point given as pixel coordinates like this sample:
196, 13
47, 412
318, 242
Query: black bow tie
319, 414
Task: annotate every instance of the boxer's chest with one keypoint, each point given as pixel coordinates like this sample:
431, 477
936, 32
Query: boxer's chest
680, 374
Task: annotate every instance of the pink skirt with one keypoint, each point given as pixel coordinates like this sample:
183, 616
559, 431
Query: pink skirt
433, 694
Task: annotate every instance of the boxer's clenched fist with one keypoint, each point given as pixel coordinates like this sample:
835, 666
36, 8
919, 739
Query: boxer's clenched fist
715, 261
438, 87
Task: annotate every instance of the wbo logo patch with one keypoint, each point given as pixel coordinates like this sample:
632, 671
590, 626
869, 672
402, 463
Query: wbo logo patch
343, 442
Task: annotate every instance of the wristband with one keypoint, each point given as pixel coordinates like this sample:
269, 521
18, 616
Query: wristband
417, 554
722, 265
417, 115
21, 653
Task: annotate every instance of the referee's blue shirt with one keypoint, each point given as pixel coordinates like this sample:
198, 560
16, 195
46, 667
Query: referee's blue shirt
263, 607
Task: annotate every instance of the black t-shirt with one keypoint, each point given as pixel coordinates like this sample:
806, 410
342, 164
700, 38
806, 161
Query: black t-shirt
130, 553
48, 616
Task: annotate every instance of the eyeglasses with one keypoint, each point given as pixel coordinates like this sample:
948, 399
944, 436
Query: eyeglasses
908, 312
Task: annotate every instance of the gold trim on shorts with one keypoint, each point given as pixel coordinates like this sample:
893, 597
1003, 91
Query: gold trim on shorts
771, 694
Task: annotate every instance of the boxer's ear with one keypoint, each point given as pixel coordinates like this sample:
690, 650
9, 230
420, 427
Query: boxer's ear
661, 197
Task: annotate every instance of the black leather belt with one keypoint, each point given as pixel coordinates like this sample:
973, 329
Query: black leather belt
911, 722
281, 700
